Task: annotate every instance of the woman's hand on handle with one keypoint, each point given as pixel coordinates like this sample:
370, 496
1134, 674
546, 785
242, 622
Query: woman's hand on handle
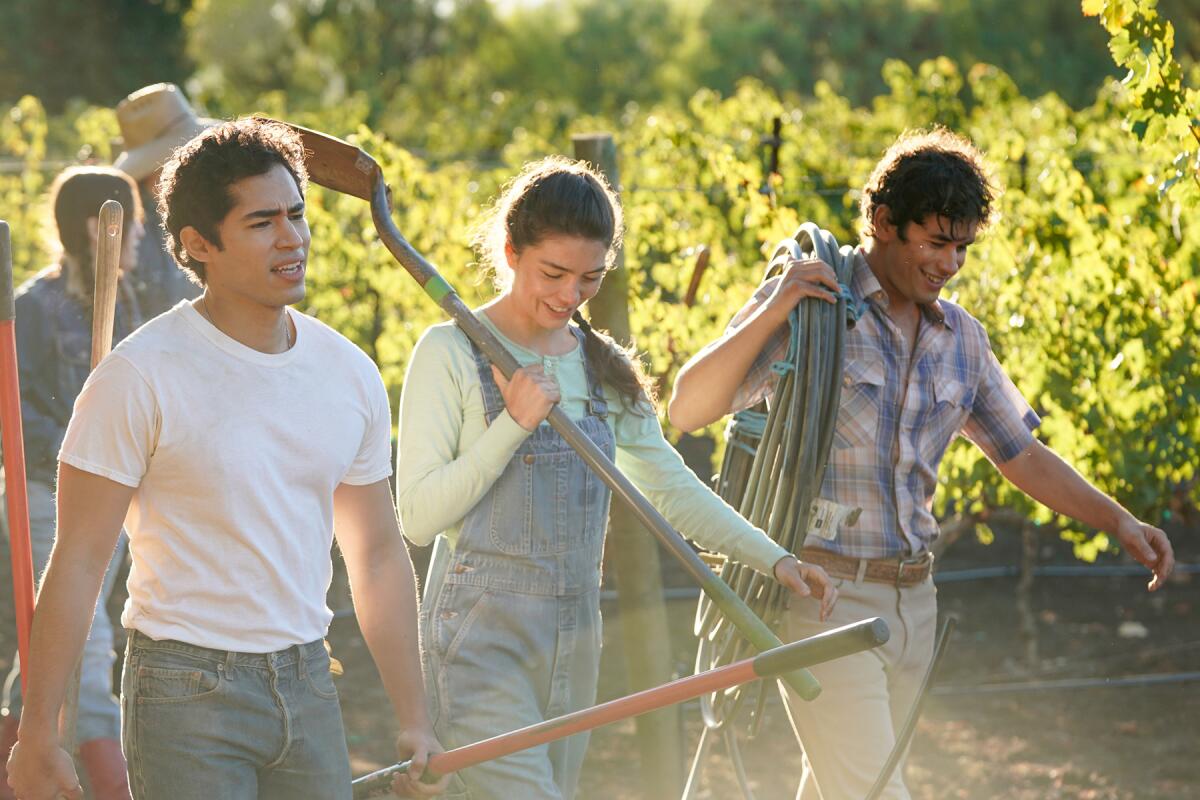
529, 396
807, 580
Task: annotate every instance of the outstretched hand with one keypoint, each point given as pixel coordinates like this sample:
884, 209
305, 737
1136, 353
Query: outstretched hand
807, 580
416, 746
1149, 546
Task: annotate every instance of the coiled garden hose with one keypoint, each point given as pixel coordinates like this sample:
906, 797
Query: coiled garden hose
772, 472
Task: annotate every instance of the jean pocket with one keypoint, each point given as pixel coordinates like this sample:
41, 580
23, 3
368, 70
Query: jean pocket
458, 608
174, 684
319, 678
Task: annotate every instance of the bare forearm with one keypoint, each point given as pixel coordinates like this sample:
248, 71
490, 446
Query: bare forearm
705, 387
385, 602
60, 627
1045, 477
1040, 473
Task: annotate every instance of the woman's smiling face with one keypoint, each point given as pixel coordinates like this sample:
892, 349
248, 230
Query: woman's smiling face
553, 278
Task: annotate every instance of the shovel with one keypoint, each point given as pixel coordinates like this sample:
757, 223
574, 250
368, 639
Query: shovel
345, 168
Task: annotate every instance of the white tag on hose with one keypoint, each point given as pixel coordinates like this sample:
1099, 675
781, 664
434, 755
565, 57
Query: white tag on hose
828, 517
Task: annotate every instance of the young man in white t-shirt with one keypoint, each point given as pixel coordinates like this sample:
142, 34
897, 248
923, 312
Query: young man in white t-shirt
234, 437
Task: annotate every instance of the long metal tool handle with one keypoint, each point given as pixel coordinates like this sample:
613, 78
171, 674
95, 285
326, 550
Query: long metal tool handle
15, 489
343, 167
818, 649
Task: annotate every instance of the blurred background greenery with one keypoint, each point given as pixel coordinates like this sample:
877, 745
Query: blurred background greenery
1086, 282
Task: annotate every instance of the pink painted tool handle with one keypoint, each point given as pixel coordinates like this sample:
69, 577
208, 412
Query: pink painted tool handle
827, 646
12, 440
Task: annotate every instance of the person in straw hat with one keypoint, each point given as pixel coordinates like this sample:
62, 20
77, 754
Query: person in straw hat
155, 120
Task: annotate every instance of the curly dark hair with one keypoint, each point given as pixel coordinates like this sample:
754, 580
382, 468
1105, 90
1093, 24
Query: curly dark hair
925, 172
194, 188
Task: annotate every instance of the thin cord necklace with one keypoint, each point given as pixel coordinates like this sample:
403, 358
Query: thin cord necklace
287, 332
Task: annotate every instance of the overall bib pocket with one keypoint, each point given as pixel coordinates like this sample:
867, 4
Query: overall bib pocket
534, 481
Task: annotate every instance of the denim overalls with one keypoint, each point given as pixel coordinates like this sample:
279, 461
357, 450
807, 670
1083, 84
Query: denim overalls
511, 618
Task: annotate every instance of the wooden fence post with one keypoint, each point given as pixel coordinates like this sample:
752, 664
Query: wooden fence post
632, 552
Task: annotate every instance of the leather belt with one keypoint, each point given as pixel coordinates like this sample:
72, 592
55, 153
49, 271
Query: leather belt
896, 571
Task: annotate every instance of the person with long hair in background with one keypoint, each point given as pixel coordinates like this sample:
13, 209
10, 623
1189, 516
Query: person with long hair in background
54, 345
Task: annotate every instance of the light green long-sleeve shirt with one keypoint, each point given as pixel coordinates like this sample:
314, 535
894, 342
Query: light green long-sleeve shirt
450, 457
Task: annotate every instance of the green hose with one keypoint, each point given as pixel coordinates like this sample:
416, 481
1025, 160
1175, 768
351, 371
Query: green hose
775, 461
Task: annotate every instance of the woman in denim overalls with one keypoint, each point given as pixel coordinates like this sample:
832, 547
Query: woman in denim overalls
510, 617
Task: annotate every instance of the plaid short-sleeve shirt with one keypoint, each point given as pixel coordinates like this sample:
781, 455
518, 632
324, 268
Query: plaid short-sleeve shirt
900, 410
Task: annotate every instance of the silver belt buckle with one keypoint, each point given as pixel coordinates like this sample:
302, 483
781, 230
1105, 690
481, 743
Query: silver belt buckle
912, 561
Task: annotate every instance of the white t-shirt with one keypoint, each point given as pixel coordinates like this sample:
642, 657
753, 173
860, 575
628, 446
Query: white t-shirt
235, 455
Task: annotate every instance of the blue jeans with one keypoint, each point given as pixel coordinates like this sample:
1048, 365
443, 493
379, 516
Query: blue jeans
99, 714
202, 724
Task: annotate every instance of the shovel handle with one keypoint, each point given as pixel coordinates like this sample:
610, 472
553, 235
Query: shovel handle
13, 443
345, 168
843, 641
108, 271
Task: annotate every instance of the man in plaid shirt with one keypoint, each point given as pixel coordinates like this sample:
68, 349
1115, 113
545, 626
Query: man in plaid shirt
918, 371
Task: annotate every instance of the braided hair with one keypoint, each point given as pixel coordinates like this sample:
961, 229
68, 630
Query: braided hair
560, 197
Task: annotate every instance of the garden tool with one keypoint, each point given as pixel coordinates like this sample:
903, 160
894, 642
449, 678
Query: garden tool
343, 167
843, 641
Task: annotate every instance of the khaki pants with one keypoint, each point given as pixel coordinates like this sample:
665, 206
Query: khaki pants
849, 730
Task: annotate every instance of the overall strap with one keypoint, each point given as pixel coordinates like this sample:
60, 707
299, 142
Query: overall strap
493, 401
597, 404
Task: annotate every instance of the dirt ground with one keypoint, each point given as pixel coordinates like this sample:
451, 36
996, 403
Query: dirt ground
1128, 743
1139, 742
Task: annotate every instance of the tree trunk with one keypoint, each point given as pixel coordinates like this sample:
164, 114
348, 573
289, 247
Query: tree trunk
633, 553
